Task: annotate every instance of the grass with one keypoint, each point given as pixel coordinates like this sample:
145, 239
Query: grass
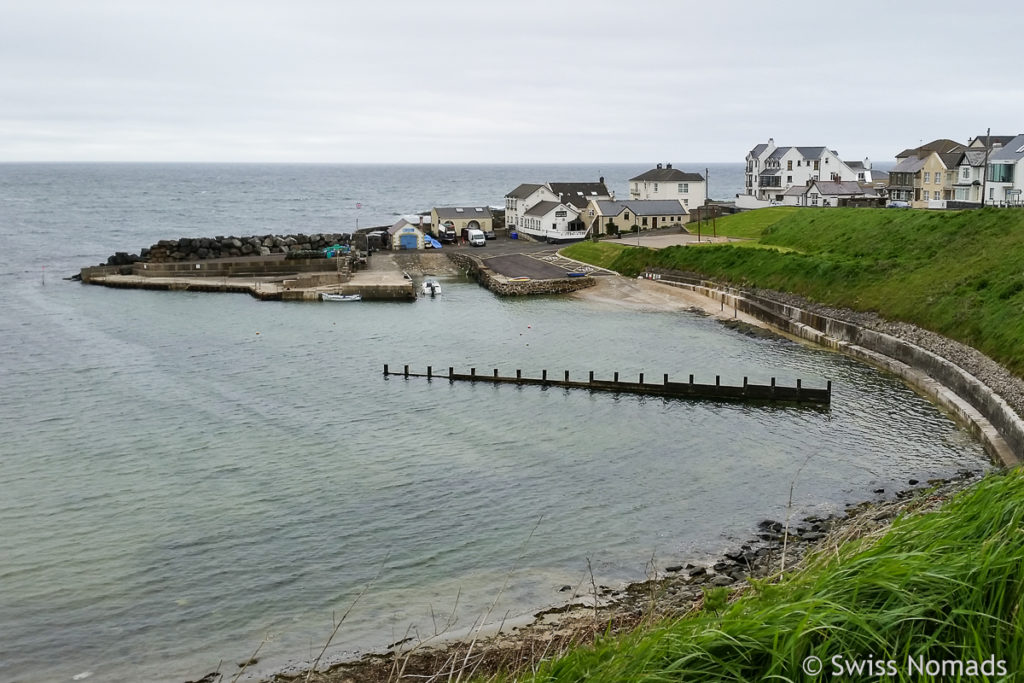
946, 585
601, 254
957, 273
748, 224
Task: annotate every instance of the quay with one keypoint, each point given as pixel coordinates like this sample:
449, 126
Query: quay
773, 392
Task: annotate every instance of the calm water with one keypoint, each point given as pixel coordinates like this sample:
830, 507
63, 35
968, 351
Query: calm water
185, 475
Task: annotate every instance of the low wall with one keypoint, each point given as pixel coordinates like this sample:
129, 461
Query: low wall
502, 286
971, 401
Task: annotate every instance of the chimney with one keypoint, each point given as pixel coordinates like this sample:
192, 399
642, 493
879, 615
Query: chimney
601, 180
659, 167
668, 165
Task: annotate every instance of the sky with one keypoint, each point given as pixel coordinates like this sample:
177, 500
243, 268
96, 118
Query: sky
451, 81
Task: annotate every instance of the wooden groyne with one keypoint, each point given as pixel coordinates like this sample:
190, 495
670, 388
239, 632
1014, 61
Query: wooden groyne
717, 392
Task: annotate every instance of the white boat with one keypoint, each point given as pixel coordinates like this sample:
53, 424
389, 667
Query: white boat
324, 296
431, 288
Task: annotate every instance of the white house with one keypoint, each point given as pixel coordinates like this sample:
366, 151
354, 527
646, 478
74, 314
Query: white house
553, 221
1004, 180
669, 184
826, 193
771, 171
574, 196
970, 176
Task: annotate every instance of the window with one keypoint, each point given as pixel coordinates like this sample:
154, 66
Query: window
1000, 173
686, 202
789, 165
815, 165
936, 195
798, 163
684, 188
938, 177
789, 179
626, 215
966, 173
644, 220
927, 177
655, 187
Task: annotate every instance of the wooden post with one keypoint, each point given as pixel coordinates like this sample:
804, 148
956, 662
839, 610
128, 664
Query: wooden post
544, 375
385, 368
519, 374
566, 375
616, 378
472, 372
407, 372
828, 388
430, 371
691, 380
495, 373
641, 378
718, 380
666, 378
591, 377
451, 373
798, 391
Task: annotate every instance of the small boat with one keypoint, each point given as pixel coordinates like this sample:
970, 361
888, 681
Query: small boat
431, 287
324, 296
518, 279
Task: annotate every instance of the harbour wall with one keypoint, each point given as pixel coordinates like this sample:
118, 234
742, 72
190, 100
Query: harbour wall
969, 400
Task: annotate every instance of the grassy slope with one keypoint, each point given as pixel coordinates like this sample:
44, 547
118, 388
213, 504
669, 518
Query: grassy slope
957, 273
943, 586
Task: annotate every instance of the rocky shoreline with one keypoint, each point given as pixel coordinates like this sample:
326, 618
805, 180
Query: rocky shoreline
778, 548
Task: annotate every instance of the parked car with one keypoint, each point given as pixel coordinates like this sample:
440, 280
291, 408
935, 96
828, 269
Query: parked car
489, 234
898, 205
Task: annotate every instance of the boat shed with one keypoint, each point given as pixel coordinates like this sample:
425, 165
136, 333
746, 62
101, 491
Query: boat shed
405, 235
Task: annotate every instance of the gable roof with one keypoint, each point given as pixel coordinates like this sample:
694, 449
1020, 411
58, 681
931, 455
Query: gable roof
941, 145
669, 175
524, 190
1011, 152
449, 212
542, 208
758, 149
911, 164
579, 194
643, 207
950, 159
995, 140
835, 188
974, 157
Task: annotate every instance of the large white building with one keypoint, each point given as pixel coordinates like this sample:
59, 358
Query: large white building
772, 170
563, 223
665, 182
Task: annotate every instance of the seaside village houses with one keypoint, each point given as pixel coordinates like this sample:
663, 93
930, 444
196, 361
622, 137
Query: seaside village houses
804, 176
566, 211
947, 174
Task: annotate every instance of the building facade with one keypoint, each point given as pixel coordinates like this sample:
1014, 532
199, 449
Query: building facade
665, 182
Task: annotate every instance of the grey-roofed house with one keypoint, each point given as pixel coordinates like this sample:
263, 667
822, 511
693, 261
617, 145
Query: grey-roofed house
1004, 177
665, 182
646, 214
903, 178
459, 217
553, 221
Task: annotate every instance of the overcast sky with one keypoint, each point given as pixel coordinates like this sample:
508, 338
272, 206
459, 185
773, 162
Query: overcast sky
440, 81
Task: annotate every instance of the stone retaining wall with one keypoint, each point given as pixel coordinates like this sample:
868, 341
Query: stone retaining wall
970, 400
500, 285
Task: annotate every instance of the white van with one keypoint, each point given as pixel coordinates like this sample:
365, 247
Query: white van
476, 237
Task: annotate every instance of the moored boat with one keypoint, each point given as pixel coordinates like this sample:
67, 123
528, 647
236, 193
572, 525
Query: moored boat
325, 296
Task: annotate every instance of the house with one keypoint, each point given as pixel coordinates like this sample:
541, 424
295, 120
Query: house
553, 221
405, 234
827, 193
459, 217
575, 197
969, 178
771, 171
669, 183
925, 176
608, 216
1004, 178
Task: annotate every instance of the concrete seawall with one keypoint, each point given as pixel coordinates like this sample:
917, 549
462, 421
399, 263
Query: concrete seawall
970, 401
502, 286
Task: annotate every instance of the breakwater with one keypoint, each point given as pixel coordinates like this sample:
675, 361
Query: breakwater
721, 392
503, 286
186, 249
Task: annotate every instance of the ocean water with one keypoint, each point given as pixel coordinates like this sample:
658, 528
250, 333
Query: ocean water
188, 475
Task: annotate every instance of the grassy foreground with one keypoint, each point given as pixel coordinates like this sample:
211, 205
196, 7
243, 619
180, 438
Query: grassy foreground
938, 597
956, 273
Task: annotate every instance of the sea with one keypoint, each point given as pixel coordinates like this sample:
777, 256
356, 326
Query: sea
191, 478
